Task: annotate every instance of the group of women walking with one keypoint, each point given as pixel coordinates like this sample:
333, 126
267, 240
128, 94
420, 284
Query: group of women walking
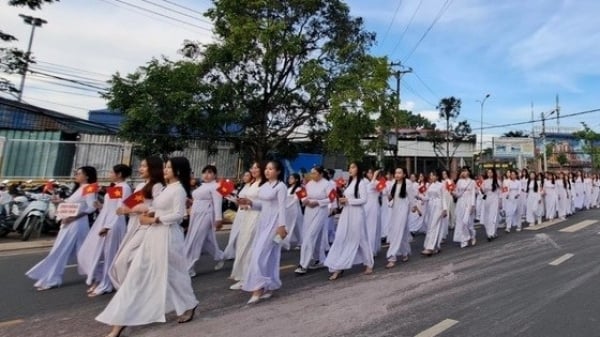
137, 246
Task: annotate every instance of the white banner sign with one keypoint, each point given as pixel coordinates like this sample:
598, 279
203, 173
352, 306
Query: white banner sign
513, 147
67, 209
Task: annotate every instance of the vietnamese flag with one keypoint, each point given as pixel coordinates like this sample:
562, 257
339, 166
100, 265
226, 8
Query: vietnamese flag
381, 185
115, 192
49, 187
301, 193
422, 189
134, 199
450, 186
479, 182
332, 195
226, 187
340, 182
91, 188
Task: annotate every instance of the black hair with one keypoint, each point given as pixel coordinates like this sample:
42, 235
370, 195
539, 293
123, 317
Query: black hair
261, 172
90, 173
495, 184
182, 171
402, 193
123, 170
320, 170
359, 177
535, 183
156, 175
437, 174
278, 167
297, 184
210, 168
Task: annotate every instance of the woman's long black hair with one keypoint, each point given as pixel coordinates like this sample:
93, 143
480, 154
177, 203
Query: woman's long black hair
359, 177
535, 183
297, 184
183, 172
495, 184
402, 194
156, 173
90, 173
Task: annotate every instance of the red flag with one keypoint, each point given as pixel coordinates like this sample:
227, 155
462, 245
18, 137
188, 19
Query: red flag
479, 182
226, 187
332, 195
48, 187
301, 193
115, 192
91, 188
381, 184
340, 182
423, 189
450, 186
134, 199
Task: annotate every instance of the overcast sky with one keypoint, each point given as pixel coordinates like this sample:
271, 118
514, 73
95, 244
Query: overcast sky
517, 51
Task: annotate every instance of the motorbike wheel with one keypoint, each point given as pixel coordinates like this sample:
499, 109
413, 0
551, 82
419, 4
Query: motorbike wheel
32, 225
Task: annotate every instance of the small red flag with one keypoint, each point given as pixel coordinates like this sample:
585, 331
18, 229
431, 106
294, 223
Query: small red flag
381, 185
91, 188
479, 182
134, 199
226, 187
49, 187
423, 189
301, 193
450, 186
332, 195
340, 182
115, 192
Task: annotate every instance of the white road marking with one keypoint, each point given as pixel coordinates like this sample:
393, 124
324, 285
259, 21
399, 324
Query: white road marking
11, 323
71, 265
561, 259
289, 266
578, 226
438, 328
544, 225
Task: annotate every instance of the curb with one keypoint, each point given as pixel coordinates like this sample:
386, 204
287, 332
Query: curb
13, 246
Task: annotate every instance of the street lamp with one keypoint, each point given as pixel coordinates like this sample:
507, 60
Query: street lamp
481, 102
34, 22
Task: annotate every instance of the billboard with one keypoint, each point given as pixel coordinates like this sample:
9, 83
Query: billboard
513, 147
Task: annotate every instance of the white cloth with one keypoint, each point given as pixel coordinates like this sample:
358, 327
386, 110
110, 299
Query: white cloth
490, 207
578, 193
351, 245
315, 220
386, 209
512, 203
399, 235
201, 235
229, 251
550, 198
157, 281
246, 221
295, 219
263, 271
97, 253
49, 271
465, 210
436, 206
373, 216
535, 207
563, 199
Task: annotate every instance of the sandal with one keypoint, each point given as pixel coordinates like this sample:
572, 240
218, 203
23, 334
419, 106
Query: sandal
183, 319
390, 265
336, 275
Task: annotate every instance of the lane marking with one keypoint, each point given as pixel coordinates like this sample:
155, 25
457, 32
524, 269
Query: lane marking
544, 225
578, 226
71, 265
11, 323
438, 328
289, 266
561, 259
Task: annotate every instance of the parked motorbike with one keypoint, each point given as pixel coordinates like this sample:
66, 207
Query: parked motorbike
25, 214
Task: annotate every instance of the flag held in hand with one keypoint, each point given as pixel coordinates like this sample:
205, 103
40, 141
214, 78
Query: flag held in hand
226, 187
332, 195
340, 182
423, 189
380, 185
115, 192
91, 188
301, 193
450, 186
134, 199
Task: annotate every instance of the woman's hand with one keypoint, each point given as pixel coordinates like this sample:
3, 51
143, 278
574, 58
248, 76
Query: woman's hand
123, 210
343, 201
103, 232
281, 231
97, 204
147, 219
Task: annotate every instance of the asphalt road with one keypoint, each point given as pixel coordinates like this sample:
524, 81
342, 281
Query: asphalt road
504, 288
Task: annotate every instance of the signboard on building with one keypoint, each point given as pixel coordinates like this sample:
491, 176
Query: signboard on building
513, 147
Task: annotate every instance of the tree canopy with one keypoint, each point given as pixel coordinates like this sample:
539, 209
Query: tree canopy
591, 139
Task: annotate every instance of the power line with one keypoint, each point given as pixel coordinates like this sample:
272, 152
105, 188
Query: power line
412, 18
84, 78
67, 80
59, 104
392, 22
441, 12
71, 68
176, 11
63, 91
183, 7
53, 82
425, 84
418, 95
549, 118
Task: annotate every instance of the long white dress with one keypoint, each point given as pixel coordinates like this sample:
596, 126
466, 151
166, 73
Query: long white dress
587, 193
229, 251
523, 199
201, 236
595, 192
133, 238
512, 203
449, 199
399, 234
551, 198
373, 216
386, 209
246, 221
295, 219
97, 253
465, 206
49, 271
578, 194
563, 200
437, 205
157, 281
351, 245
534, 204
263, 271
490, 207
315, 220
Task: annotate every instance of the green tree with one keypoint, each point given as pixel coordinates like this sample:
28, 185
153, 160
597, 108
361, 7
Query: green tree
13, 60
562, 159
515, 134
160, 106
591, 147
274, 67
446, 142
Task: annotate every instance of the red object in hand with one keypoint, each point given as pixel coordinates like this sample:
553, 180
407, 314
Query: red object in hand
340, 182
91, 188
450, 186
115, 192
381, 185
226, 187
301, 193
422, 189
134, 199
332, 195
479, 182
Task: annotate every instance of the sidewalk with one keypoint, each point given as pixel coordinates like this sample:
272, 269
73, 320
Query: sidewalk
7, 246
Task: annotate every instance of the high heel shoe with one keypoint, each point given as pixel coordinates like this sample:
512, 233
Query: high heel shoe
117, 334
191, 317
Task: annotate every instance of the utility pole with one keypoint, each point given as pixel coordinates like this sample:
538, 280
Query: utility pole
557, 115
34, 22
398, 74
544, 154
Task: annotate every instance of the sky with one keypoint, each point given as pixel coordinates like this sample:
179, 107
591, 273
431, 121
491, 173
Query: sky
521, 53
